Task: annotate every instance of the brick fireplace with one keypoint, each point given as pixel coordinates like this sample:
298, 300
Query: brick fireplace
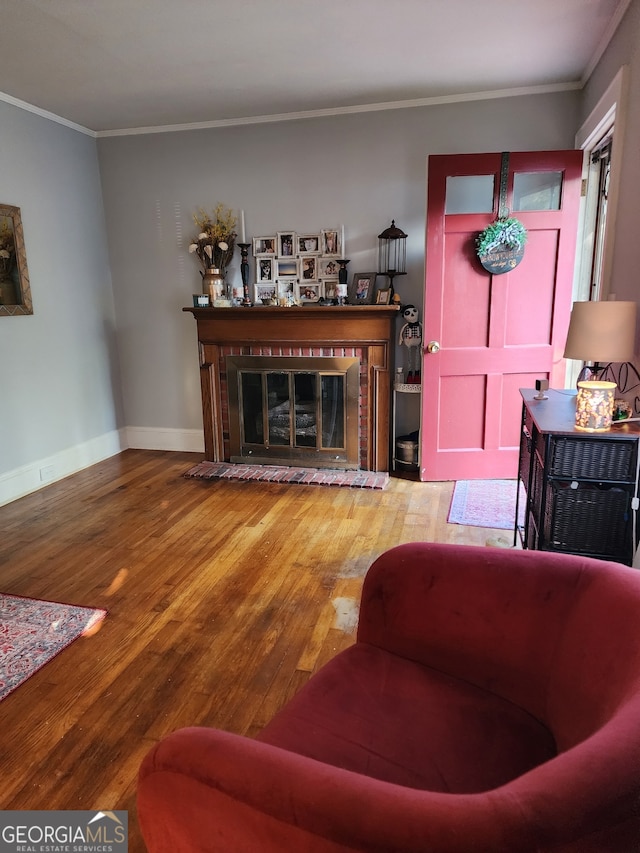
321, 336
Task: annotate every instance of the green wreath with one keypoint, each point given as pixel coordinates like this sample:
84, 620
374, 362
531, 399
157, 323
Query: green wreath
507, 231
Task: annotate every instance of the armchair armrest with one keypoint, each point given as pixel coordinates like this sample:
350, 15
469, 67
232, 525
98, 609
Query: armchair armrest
202, 789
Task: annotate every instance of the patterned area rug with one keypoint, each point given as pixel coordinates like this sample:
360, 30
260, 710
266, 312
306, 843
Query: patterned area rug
282, 474
486, 503
32, 632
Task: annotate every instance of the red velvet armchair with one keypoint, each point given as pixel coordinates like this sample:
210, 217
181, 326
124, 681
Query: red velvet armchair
491, 703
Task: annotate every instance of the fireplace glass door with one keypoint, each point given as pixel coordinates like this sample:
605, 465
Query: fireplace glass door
294, 410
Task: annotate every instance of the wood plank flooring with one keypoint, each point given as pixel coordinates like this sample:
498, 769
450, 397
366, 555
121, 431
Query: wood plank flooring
222, 601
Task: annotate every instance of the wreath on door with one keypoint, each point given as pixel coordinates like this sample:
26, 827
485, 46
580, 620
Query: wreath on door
500, 247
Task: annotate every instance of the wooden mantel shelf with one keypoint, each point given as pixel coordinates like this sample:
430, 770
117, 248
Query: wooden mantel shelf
347, 324
367, 327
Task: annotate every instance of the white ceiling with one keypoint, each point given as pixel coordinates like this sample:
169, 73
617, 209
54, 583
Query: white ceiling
119, 64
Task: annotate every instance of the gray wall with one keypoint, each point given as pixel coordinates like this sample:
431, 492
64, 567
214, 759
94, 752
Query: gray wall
359, 170
60, 389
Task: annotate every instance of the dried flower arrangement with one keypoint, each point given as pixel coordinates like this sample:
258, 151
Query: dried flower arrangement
216, 239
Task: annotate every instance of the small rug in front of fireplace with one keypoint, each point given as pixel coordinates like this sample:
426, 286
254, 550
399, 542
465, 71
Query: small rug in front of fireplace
284, 474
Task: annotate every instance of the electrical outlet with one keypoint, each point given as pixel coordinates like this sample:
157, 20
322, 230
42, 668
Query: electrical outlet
47, 473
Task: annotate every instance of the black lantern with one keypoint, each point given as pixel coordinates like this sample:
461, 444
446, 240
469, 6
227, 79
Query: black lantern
392, 253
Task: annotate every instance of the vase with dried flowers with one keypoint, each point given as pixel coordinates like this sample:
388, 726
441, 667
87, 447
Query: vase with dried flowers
214, 246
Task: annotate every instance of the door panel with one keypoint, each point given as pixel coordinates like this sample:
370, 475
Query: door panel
497, 333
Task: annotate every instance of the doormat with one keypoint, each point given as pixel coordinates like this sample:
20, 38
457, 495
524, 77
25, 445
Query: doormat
486, 503
33, 632
283, 474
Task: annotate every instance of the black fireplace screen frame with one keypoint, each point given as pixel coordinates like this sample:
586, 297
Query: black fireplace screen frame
280, 427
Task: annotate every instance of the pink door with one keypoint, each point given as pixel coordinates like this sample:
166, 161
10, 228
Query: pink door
493, 334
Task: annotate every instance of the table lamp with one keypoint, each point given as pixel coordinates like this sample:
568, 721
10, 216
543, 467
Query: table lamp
601, 333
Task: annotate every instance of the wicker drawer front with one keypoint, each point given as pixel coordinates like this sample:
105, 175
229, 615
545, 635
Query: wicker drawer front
525, 456
587, 520
593, 459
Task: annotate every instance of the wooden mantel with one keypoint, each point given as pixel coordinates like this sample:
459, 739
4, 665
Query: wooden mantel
369, 328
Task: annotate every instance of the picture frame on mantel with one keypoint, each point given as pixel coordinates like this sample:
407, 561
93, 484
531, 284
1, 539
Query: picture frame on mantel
286, 244
265, 268
362, 288
330, 242
264, 246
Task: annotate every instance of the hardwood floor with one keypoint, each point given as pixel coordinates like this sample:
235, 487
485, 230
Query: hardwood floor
223, 598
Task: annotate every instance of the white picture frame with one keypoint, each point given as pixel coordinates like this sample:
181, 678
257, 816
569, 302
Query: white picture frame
286, 244
287, 267
308, 244
265, 268
308, 268
328, 268
265, 292
331, 242
264, 246
309, 291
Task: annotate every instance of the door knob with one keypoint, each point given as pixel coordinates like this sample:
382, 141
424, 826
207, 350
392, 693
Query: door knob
433, 346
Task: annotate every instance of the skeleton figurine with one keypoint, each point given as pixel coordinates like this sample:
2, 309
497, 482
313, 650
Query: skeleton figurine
411, 337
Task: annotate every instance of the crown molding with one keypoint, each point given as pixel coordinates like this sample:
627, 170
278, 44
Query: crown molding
351, 110
30, 108
297, 116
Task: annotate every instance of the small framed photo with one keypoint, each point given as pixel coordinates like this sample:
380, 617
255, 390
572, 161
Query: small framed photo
308, 244
309, 268
286, 288
286, 244
328, 268
286, 268
331, 288
330, 242
362, 288
383, 296
265, 269
265, 292
264, 246
309, 292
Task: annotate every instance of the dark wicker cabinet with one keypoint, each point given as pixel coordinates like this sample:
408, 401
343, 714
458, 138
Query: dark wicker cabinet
581, 488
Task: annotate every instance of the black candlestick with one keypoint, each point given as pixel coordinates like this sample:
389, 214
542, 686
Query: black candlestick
244, 272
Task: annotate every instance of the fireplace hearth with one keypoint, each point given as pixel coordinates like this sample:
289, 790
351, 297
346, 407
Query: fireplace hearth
299, 386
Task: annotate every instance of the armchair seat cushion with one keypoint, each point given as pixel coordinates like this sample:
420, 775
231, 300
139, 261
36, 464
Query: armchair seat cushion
390, 718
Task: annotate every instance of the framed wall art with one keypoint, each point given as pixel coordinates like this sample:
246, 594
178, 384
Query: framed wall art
15, 290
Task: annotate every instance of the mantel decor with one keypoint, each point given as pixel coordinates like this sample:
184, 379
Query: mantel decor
297, 268
15, 292
214, 246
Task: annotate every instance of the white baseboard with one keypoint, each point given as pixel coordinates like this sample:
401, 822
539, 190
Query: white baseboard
150, 438
42, 472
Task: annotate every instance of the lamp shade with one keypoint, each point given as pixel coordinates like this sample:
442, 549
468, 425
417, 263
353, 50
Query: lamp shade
601, 331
